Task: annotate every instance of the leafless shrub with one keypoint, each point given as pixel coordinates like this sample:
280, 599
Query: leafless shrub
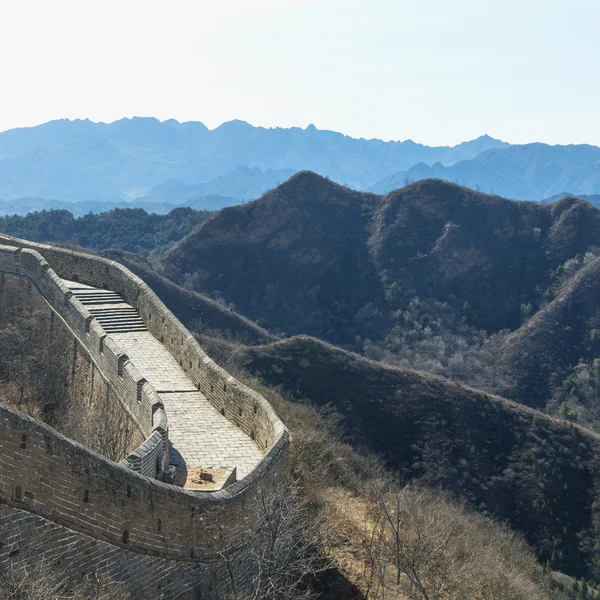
22, 579
420, 545
282, 550
33, 364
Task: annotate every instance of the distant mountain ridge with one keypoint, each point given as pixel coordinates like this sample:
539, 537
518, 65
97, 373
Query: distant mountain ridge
22, 206
141, 162
145, 160
527, 172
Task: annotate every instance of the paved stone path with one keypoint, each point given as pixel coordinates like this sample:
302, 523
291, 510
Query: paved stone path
200, 435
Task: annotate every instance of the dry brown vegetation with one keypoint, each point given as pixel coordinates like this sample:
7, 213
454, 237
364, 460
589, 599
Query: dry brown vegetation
419, 544
32, 371
283, 550
27, 579
537, 473
444, 550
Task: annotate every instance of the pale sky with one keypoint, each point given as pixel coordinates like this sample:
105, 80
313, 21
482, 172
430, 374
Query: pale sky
435, 71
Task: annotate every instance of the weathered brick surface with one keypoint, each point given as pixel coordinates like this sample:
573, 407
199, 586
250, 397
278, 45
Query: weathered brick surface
63, 488
82, 557
221, 389
84, 383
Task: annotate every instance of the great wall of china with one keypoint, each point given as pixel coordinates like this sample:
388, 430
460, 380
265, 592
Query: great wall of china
71, 507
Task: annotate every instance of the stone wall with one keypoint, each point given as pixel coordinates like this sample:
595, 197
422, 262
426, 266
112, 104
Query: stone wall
44, 545
68, 487
66, 483
135, 394
240, 405
70, 389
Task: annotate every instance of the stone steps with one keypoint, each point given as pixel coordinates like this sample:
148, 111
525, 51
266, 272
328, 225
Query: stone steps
96, 296
199, 434
111, 310
123, 329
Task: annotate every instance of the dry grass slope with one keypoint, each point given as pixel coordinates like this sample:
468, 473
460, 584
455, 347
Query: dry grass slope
346, 484
538, 473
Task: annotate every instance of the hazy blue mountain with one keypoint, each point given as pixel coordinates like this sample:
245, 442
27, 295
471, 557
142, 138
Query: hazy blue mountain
152, 164
145, 159
244, 183
530, 171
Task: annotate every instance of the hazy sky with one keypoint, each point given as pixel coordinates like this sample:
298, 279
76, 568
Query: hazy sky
435, 71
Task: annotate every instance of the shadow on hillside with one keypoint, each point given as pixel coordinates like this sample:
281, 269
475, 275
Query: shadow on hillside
333, 585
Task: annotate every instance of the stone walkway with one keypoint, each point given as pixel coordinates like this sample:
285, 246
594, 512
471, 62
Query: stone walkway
199, 434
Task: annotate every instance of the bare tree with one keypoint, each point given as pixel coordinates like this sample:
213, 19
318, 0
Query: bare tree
421, 546
415, 542
104, 426
27, 578
282, 550
33, 364
285, 548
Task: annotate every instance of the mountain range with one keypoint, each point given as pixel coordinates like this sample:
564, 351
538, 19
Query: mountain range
315, 257
466, 331
528, 172
498, 296
85, 166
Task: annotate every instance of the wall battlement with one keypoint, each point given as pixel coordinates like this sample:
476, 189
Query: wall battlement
121, 506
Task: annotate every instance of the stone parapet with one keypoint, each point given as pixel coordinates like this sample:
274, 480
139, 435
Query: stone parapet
122, 506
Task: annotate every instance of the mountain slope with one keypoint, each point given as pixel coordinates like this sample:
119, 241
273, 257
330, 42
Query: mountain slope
560, 335
287, 256
441, 240
314, 257
593, 198
540, 474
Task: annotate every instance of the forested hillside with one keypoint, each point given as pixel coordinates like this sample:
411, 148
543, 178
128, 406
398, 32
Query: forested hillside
340, 264
539, 474
129, 229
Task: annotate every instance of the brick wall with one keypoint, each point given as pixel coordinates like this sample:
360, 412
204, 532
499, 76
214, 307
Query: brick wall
240, 405
110, 360
64, 482
46, 545
66, 486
